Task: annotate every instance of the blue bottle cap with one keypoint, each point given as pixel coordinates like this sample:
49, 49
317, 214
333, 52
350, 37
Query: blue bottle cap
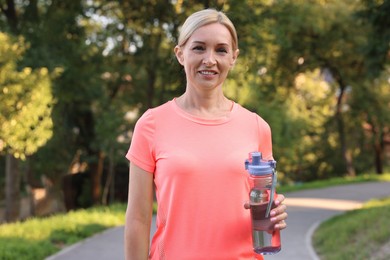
256, 166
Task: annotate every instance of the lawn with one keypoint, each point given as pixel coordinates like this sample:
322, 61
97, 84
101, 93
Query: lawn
357, 234
38, 238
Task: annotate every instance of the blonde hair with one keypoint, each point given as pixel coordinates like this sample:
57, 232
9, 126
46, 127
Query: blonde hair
205, 17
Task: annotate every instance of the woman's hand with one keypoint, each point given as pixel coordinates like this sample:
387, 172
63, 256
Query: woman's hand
278, 214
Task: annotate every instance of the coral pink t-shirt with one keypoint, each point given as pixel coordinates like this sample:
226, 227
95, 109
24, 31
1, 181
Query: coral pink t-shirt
200, 178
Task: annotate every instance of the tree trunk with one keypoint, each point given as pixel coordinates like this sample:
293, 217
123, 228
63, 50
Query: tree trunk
96, 178
151, 87
378, 151
27, 183
347, 157
109, 187
12, 189
378, 159
11, 15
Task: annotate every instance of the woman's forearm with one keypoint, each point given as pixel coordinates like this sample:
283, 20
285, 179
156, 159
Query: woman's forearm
138, 214
137, 235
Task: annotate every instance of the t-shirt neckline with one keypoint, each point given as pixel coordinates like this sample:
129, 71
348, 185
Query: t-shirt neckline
201, 120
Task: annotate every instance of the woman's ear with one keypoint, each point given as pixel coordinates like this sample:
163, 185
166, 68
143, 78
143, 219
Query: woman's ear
179, 54
235, 56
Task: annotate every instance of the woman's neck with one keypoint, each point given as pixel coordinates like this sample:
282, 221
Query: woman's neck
213, 105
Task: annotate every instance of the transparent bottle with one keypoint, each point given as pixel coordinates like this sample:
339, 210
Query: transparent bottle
262, 179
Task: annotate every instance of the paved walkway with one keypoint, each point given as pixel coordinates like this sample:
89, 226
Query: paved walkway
306, 209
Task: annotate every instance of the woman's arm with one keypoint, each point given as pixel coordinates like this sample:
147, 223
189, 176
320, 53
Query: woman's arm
138, 213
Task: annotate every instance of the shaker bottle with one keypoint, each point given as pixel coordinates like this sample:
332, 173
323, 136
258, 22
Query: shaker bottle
262, 179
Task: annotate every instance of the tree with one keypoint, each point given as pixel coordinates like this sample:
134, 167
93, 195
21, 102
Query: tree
58, 40
25, 121
328, 36
312, 69
375, 14
372, 103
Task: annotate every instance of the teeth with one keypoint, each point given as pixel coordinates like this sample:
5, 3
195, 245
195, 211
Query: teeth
207, 72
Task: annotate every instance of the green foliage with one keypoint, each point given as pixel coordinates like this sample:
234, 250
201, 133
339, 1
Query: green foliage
38, 238
370, 105
116, 60
26, 102
311, 45
375, 13
356, 234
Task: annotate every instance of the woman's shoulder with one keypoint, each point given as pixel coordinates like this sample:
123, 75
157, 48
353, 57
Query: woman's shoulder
163, 108
247, 114
156, 111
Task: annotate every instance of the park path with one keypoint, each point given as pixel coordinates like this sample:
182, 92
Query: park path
306, 210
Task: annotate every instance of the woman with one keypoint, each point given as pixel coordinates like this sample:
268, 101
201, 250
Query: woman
192, 150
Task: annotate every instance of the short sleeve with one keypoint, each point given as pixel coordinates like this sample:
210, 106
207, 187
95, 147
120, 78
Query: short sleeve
265, 137
141, 151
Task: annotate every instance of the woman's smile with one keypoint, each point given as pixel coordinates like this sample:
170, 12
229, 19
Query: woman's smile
208, 74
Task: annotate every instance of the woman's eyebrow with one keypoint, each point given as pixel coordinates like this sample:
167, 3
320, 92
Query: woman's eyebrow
198, 42
202, 42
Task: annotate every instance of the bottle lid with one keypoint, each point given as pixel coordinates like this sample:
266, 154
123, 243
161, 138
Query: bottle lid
256, 166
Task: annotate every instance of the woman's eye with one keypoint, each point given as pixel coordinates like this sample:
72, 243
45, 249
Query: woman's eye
222, 50
198, 48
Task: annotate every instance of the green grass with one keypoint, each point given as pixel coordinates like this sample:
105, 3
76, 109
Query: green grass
356, 234
38, 238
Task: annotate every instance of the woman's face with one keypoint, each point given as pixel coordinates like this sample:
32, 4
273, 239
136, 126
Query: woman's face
207, 56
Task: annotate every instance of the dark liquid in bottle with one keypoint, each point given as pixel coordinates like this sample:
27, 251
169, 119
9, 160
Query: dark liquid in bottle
259, 221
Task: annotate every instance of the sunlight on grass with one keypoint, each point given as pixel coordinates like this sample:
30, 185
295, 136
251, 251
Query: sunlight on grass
385, 202
41, 237
356, 234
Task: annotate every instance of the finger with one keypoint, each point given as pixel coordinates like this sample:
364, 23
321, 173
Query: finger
247, 205
279, 199
280, 225
278, 210
279, 218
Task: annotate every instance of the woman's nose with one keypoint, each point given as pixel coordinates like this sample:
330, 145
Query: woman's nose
209, 59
